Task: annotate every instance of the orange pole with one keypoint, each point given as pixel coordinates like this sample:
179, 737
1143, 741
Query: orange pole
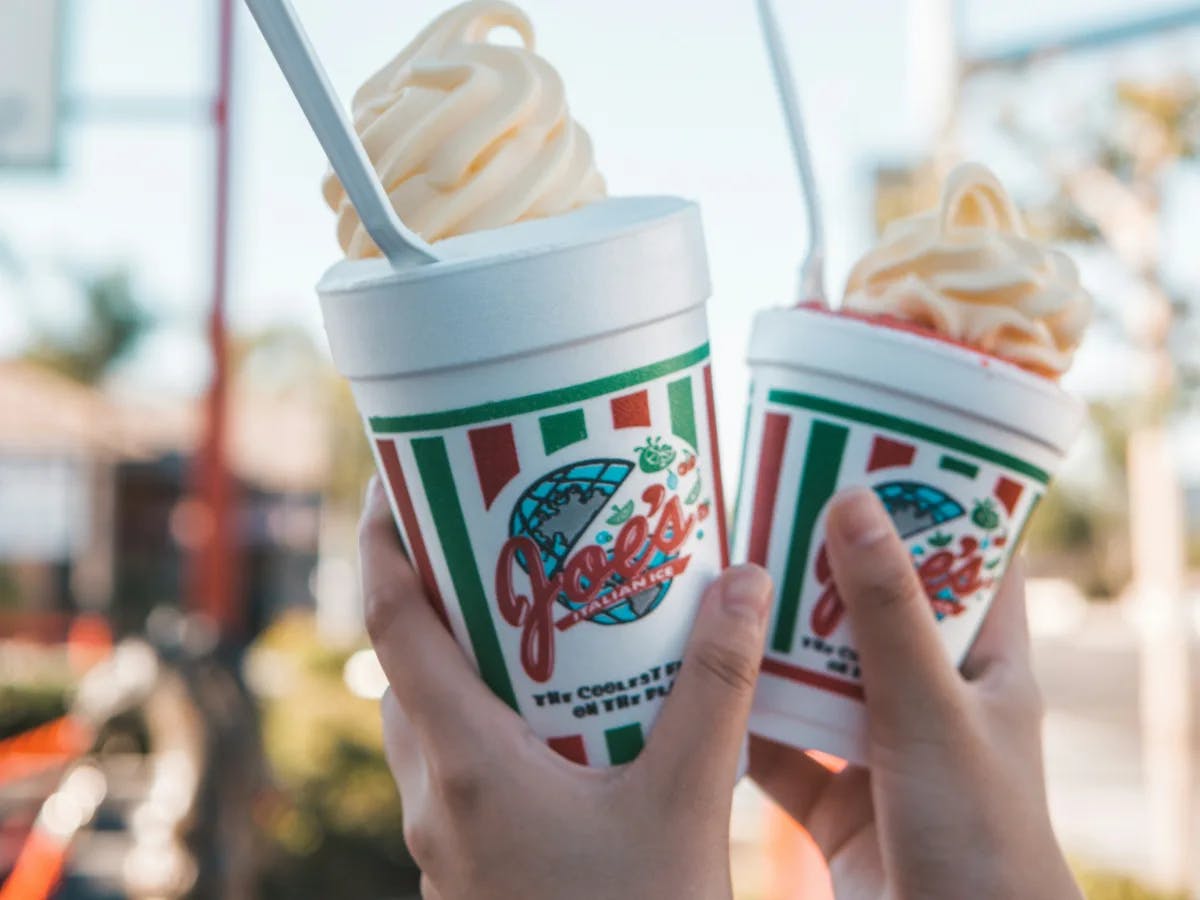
38, 869
214, 564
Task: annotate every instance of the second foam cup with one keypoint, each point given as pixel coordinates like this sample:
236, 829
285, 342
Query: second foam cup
958, 445
540, 406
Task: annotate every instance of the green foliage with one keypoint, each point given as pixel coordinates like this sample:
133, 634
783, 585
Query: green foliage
1111, 886
26, 706
10, 591
1065, 523
1083, 529
113, 323
353, 464
337, 828
285, 358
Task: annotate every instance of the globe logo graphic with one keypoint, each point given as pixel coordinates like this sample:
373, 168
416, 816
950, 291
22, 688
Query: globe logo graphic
916, 507
558, 510
944, 534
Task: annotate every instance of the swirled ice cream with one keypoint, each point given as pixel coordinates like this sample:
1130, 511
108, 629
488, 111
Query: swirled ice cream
468, 135
969, 272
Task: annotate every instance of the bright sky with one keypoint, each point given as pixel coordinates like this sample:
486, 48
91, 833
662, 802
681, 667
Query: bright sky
676, 94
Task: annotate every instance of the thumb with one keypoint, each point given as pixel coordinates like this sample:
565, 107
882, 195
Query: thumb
910, 683
698, 739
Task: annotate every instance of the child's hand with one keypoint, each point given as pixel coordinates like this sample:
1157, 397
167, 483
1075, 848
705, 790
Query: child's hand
491, 812
955, 802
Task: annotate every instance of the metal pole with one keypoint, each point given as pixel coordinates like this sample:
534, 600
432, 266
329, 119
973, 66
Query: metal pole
214, 576
1083, 41
1157, 534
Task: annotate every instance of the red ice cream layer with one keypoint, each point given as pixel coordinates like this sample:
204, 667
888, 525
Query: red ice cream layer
898, 324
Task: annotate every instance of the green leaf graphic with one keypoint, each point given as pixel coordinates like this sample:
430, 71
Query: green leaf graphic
694, 493
620, 514
940, 540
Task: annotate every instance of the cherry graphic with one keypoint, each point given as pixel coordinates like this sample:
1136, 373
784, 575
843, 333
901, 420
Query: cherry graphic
654, 496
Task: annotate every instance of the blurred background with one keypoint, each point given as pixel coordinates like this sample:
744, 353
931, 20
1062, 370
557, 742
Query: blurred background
187, 707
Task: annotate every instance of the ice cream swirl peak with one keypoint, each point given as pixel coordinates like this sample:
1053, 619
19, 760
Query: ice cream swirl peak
969, 271
467, 134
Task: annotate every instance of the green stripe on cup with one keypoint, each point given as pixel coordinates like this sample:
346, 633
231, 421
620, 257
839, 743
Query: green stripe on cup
562, 430
683, 411
624, 743
506, 409
438, 481
818, 482
961, 466
912, 429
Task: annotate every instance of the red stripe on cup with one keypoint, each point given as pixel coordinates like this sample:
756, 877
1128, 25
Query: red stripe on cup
766, 486
1009, 493
815, 679
715, 448
631, 411
889, 454
408, 517
570, 747
496, 463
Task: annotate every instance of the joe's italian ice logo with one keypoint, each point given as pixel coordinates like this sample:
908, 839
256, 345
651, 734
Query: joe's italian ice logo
957, 554
598, 542
959, 505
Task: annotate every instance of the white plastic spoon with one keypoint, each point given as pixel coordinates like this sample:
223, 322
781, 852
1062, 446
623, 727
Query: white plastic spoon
812, 272
285, 36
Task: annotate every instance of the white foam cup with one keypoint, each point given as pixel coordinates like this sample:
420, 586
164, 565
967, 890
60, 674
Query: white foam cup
959, 445
540, 406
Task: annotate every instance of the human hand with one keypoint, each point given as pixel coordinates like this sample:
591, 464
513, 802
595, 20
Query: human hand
954, 804
491, 812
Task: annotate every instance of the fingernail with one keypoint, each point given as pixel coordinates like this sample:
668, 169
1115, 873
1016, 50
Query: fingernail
858, 518
747, 591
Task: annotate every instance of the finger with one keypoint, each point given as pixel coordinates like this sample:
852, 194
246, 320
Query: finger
698, 739
428, 891
1004, 636
790, 777
906, 674
406, 760
401, 748
843, 811
439, 690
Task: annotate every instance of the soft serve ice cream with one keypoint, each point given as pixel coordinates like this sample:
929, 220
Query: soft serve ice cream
969, 272
468, 135
538, 398
897, 393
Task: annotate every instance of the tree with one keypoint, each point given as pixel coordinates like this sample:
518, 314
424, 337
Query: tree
1112, 175
113, 323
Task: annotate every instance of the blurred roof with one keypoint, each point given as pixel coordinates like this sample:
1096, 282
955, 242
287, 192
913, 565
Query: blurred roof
44, 412
276, 442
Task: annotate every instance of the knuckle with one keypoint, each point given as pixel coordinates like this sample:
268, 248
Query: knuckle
380, 609
421, 843
893, 587
733, 666
462, 788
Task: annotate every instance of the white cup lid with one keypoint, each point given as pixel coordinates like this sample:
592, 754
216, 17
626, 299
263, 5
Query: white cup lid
920, 367
605, 268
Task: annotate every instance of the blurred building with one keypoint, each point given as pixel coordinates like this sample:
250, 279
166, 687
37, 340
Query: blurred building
94, 507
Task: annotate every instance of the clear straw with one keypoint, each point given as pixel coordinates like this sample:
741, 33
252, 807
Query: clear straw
285, 36
812, 272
